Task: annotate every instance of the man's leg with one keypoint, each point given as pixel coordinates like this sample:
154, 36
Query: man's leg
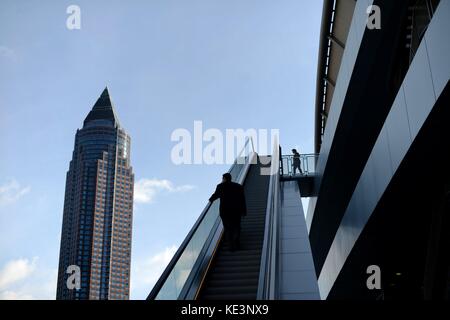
235, 231
229, 237
227, 232
238, 234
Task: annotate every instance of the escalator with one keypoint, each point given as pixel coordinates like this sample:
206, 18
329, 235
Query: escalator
235, 275
205, 268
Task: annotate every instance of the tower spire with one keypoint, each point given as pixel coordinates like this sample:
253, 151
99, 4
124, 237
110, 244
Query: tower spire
103, 109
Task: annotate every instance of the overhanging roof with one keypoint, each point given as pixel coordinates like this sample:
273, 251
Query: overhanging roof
336, 19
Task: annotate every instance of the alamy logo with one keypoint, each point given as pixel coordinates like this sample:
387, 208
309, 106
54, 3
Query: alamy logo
74, 19
373, 17
73, 280
374, 280
213, 146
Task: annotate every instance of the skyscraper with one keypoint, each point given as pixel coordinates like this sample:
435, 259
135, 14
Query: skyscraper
98, 209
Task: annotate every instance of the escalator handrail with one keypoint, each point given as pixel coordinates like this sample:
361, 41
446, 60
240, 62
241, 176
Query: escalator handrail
167, 271
269, 262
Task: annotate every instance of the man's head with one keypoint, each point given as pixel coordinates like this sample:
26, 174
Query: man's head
294, 150
226, 177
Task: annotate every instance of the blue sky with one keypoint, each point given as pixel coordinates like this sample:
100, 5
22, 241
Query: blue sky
231, 64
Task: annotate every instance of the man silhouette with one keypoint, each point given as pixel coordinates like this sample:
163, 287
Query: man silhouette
232, 207
296, 161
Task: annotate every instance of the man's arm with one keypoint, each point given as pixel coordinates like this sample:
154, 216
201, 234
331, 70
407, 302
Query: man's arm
215, 195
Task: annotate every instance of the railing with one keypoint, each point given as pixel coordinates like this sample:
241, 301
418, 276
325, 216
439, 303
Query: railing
182, 272
307, 165
269, 270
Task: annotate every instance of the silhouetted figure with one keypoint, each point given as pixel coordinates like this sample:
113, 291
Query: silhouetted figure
296, 162
232, 207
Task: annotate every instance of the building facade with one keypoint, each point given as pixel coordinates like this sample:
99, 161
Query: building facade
98, 209
381, 195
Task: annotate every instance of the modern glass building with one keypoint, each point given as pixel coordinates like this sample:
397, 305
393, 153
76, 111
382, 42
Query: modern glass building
98, 209
381, 195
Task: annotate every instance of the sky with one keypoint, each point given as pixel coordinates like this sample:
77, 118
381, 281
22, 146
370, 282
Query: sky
167, 63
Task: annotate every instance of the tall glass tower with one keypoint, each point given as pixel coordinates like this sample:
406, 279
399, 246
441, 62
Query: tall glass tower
98, 209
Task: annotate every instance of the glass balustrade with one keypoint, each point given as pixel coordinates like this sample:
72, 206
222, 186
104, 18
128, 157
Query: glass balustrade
304, 165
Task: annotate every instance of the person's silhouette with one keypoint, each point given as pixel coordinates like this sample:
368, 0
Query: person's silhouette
232, 207
296, 162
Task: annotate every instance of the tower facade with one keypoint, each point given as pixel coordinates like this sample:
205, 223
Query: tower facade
98, 210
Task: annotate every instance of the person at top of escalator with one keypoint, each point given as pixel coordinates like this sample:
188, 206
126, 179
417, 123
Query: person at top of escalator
296, 162
232, 208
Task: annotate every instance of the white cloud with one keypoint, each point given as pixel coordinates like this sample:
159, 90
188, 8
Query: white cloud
7, 53
26, 279
11, 192
11, 295
15, 271
145, 190
145, 272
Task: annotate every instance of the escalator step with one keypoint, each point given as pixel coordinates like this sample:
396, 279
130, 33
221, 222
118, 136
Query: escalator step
242, 257
220, 269
234, 282
231, 289
234, 276
238, 264
239, 252
238, 296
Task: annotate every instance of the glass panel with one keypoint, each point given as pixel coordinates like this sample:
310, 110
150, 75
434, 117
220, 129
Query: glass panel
168, 290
